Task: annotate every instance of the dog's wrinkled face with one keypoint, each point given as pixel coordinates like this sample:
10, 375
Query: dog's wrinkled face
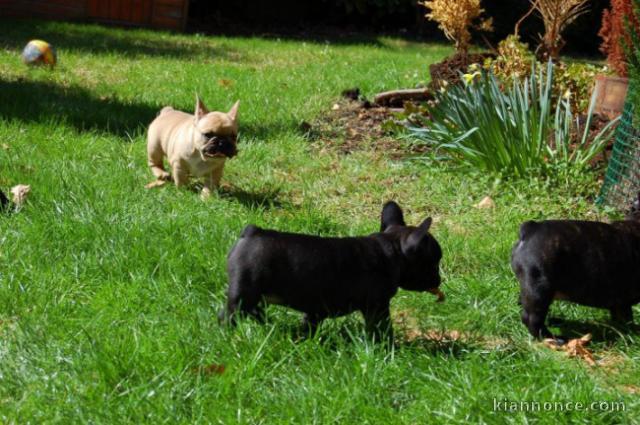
421, 251
218, 131
634, 212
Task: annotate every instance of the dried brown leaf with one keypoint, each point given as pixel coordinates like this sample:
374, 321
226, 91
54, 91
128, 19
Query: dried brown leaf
574, 348
486, 203
225, 83
210, 369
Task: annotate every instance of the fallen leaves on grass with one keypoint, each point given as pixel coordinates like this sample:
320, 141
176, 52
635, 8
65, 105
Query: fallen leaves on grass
438, 293
441, 336
631, 389
223, 82
486, 203
574, 348
210, 369
410, 331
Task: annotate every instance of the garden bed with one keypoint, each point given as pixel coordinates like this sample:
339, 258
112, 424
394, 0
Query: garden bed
351, 125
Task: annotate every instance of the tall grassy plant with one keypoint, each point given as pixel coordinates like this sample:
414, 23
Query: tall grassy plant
514, 131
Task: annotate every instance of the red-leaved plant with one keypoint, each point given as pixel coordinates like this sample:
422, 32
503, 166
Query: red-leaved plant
615, 34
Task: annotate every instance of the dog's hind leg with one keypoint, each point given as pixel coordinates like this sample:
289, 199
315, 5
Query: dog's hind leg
378, 323
622, 314
309, 323
246, 305
536, 297
155, 156
242, 299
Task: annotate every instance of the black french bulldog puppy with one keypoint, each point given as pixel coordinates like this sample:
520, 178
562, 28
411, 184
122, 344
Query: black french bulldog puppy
329, 277
585, 262
4, 202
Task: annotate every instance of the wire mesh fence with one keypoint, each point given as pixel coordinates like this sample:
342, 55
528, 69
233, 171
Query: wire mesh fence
622, 180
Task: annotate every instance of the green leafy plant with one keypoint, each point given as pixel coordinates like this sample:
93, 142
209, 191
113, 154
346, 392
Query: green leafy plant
573, 80
577, 80
513, 132
513, 59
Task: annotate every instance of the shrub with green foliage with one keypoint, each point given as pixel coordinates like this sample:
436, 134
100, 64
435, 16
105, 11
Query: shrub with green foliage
513, 132
577, 80
573, 80
513, 60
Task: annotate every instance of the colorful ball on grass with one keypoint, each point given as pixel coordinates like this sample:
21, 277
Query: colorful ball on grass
38, 52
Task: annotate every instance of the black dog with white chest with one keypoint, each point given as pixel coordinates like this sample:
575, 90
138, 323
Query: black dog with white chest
330, 277
589, 263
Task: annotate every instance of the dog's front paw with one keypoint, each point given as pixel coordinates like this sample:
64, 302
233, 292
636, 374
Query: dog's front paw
205, 194
155, 183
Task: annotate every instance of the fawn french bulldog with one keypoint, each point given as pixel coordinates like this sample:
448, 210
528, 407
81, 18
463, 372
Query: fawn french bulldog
589, 263
19, 194
195, 145
329, 276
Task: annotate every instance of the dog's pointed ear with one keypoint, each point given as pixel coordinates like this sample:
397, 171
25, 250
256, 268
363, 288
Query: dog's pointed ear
233, 112
426, 225
413, 241
201, 110
391, 215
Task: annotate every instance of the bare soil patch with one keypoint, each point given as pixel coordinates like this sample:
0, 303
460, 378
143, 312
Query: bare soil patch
355, 125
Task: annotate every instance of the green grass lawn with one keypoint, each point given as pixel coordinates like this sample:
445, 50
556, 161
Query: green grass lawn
109, 292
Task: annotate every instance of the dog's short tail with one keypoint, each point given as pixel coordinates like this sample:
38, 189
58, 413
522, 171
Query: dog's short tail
165, 110
249, 230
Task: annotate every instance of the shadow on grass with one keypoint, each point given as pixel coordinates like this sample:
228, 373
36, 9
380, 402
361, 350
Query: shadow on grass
36, 101
266, 199
100, 39
354, 333
31, 101
600, 331
264, 130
